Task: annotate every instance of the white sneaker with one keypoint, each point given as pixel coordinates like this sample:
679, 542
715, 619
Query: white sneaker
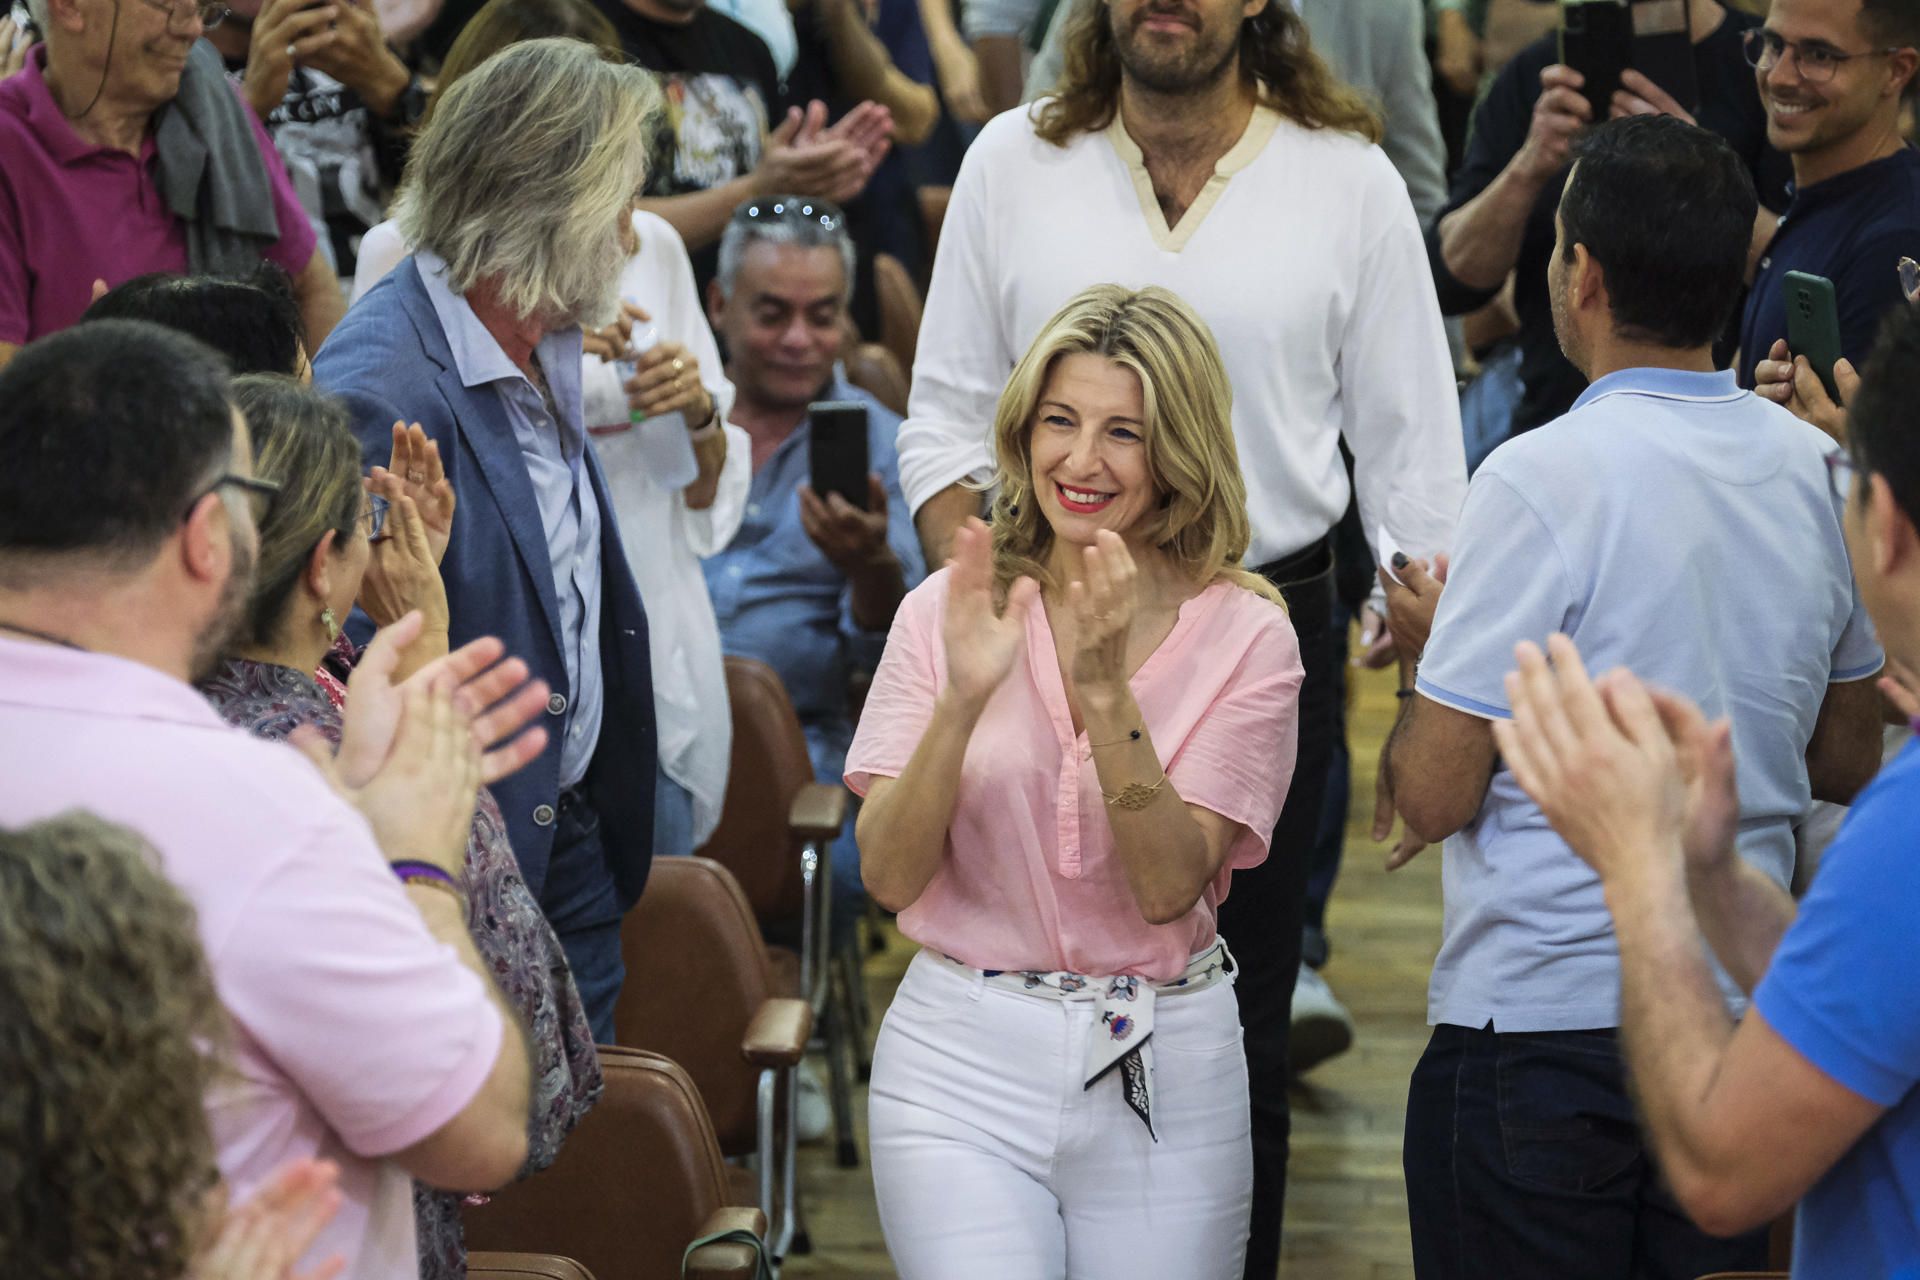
812, 1114
1322, 1027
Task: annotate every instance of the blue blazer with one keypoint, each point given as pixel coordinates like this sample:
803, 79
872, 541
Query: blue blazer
389, 361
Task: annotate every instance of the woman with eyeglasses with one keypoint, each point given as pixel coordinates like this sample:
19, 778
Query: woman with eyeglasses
329, 540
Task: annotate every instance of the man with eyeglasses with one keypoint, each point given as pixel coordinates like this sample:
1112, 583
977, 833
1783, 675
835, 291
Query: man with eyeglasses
1639, 523
1833, 75
1498, 222
124, 150
366, 1029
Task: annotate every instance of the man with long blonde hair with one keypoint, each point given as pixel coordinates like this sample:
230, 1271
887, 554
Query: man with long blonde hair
516, 195
1202, 146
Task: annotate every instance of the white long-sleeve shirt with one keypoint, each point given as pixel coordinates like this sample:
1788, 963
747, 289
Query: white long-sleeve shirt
665, 539
1302, 254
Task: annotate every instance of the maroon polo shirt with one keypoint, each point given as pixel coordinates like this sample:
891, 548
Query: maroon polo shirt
72, 213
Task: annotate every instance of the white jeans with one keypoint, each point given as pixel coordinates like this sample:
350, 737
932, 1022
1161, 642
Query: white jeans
991, 1162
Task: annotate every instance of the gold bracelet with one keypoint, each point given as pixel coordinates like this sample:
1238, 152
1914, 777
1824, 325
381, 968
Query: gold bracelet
1135, 795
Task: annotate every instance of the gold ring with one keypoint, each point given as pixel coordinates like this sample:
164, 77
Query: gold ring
679, 365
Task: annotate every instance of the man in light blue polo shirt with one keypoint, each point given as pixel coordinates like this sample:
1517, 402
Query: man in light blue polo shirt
1811, 1098
1672, 523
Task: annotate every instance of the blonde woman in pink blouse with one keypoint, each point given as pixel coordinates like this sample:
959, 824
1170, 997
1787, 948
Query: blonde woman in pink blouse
1081, 727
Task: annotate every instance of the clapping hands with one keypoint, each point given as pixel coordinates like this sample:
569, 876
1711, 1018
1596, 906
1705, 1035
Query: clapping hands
981, 642
1100, 609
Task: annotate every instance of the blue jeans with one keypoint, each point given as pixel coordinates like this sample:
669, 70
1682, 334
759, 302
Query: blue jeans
584, 909
1524, 1159
672, 817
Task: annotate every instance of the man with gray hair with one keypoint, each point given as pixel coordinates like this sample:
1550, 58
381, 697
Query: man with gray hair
123, 151
809, 584
515, 198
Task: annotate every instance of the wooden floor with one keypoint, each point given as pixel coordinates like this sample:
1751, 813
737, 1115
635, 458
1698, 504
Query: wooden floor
1346, 1203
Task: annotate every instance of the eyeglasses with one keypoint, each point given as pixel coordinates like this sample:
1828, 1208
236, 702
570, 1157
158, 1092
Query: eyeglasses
791, 209
1814, 63
375, 516
1841, 470
210, 12
260, 494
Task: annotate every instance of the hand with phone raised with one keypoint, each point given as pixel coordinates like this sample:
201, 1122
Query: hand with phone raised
1559, 114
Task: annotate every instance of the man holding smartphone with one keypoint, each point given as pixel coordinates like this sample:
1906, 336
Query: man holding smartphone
1833, 75
1498, 223
810, 583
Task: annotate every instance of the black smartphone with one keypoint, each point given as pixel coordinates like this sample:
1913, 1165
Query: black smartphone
838, 449
1596, 39
1663, 49
1813, 326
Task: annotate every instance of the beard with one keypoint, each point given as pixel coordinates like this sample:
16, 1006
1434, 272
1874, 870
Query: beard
1174, 70
595, 298
229, 612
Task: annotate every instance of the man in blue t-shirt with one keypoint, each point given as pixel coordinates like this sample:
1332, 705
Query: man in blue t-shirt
1673, 523
1832, 76
1810, 1098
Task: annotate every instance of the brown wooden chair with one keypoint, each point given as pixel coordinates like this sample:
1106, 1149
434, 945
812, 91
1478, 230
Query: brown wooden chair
900, 309
639, 1180
777, 827
524, 1266
874, 369
700, 992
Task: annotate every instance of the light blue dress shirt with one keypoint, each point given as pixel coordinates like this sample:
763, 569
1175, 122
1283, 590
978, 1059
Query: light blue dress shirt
1675, 525
553, 443
777, 596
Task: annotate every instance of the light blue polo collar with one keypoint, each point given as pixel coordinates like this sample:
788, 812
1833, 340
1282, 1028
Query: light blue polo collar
1664, 384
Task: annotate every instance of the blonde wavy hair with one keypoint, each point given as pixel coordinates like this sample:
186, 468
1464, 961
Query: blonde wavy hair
526, 173
1202, 524
1275, 54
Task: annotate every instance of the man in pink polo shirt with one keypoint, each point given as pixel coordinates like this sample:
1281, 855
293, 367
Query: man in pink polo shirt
365, 1029
123, 150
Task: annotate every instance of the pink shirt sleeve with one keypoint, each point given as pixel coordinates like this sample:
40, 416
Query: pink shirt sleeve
294, 249
1238, 761
378, 1024
905, 685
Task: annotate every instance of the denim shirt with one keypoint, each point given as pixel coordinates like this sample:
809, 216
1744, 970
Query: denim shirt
777, 596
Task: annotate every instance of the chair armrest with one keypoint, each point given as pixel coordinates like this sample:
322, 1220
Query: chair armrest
818, 810
726, 1261
778, 1034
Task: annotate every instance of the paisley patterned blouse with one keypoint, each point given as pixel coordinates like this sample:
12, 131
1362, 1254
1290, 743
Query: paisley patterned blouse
508, 929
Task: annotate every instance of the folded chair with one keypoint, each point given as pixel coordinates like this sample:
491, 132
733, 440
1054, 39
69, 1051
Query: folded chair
777, 826
699, 990
639, 1180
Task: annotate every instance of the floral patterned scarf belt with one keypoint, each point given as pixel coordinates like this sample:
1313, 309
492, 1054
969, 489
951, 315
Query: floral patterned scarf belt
1122, 1031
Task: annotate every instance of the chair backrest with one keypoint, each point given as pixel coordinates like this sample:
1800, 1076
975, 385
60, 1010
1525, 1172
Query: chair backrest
900, 307
876, 370
631, 1188
770, 764
697, 974
524, 1266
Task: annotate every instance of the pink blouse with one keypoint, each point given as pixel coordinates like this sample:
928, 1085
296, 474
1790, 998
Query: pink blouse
1031, 879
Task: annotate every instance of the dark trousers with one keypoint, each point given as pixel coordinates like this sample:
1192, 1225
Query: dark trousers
1524, 1159
1262, 916
1323, 866
584, 908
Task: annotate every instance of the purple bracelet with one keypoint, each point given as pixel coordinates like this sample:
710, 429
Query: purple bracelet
414, 872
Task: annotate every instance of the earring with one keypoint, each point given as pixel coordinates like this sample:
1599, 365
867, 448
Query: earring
1013, 508
327, 621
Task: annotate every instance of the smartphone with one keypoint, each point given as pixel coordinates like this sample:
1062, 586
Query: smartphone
838, 449
1663, 49
1596, 39
1813, 325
